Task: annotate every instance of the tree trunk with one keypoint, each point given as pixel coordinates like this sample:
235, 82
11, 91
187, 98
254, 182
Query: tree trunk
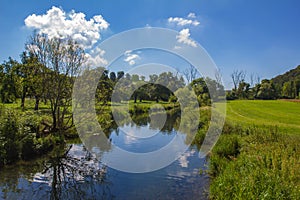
135, 97
54, 125
23, 99
37, 101
23, 102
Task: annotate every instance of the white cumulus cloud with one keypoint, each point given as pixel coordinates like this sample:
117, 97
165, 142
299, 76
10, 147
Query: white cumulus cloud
179, 21
130, 57
184, 37
57, 23
95, 58
191, 15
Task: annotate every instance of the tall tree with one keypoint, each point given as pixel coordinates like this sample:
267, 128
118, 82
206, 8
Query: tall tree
62, 59
32, 78
191, 73
9, 89
237, 77
266, 90
112, 76
120, 74
243, 90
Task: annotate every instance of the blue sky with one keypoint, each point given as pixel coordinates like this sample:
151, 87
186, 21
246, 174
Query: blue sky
260, 37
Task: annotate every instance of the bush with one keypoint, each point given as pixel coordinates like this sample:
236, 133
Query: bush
9, 150
18, 136
28, 147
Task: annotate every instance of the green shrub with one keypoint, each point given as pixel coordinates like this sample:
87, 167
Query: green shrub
28, 148
9, 137
19, 132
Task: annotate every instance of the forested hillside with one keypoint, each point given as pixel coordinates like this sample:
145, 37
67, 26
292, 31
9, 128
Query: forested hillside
289, 83
291, 75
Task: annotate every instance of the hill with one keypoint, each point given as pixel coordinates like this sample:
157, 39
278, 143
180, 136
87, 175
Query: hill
291, 75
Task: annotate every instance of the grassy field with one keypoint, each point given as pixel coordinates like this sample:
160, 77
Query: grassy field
258, 153
283, 114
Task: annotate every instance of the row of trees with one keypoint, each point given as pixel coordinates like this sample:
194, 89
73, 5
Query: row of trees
155, 88
264, 89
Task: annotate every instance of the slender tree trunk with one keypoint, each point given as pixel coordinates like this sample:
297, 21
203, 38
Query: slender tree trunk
54, 125
58, 118
23, 99
37, 101
135, 97
23, 102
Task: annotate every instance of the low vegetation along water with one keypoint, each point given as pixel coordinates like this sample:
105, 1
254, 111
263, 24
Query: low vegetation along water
71, 172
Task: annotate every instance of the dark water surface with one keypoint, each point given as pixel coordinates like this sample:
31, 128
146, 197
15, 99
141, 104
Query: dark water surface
73, 173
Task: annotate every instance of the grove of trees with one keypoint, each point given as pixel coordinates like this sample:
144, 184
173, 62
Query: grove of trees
282, 86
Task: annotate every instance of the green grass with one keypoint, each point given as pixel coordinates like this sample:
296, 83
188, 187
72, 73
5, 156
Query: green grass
29, 105
258, 153
255, 163
265, 113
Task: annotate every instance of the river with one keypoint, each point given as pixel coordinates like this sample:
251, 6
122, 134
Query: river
71, 172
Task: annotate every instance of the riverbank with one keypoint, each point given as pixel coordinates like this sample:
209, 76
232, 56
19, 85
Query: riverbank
26, 134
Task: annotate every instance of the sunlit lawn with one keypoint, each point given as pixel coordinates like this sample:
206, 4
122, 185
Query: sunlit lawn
283, 114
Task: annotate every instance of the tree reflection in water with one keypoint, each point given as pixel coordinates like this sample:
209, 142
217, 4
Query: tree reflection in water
73, 176
69, 173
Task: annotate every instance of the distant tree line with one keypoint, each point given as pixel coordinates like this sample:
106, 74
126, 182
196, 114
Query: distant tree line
282, 86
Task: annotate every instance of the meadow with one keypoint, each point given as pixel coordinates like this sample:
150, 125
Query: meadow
265, 113
258, 154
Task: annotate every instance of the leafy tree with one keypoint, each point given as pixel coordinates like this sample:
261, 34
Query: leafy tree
291, 89
112, 76
287, 90
120, 75
143, 78
127, 76
105, 87
62, 59
30, 72
266, 90
159, 87
153, 78
9, 81
135, 77
207, 89
243, 91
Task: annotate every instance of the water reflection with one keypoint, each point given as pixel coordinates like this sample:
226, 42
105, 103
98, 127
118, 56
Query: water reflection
73, 173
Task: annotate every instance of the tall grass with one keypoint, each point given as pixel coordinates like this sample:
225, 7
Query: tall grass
255, 163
